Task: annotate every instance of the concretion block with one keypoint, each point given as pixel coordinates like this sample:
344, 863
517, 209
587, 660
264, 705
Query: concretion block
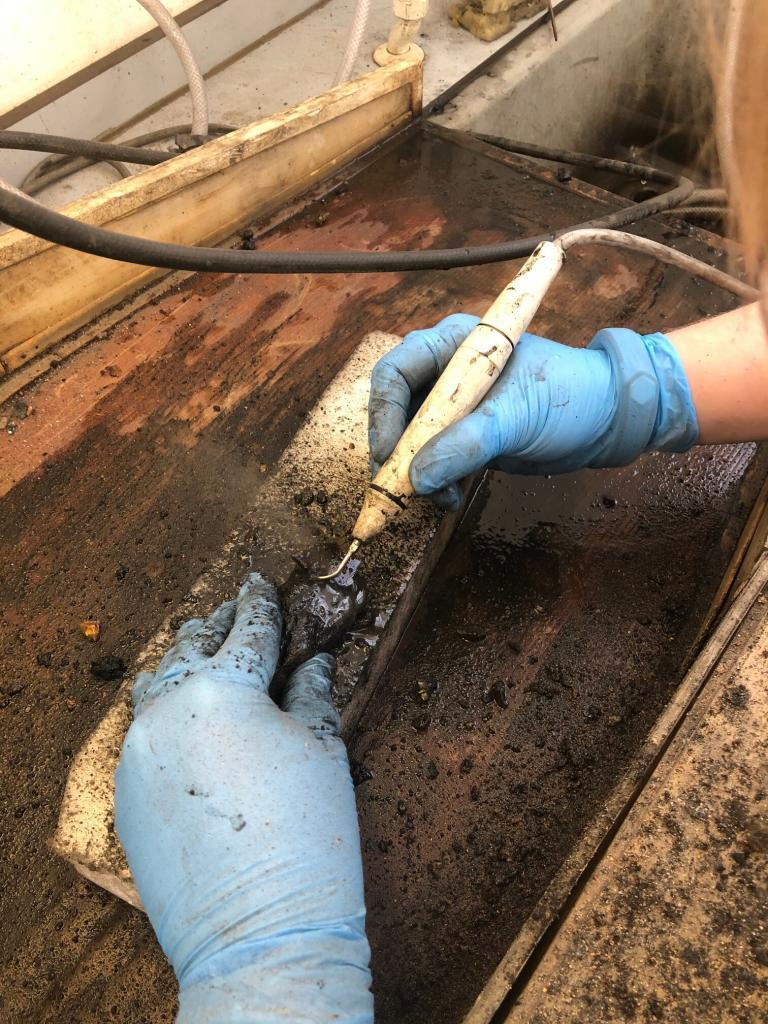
489, 24
499, 6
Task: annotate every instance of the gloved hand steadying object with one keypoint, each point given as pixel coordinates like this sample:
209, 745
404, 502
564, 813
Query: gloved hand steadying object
554, 409
238, 820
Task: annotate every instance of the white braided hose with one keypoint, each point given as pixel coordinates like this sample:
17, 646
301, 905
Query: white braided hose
354, 40
175, 37
726, 135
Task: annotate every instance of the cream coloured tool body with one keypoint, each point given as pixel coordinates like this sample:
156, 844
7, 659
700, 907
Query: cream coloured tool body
471, 372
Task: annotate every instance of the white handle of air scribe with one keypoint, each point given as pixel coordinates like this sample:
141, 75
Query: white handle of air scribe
466, 380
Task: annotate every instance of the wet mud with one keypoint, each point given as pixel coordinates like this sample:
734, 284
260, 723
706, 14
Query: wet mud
672, 925
551, 635
319, 614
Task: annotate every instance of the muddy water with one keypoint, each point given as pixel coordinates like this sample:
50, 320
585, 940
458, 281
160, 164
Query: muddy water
550, 637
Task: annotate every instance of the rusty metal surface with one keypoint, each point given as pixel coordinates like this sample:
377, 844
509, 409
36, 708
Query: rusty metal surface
672, 924
127, 469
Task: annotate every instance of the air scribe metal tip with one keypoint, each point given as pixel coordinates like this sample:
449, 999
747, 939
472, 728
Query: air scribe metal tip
343, 563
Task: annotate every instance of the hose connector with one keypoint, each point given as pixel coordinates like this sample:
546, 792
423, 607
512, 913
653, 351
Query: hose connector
409, 15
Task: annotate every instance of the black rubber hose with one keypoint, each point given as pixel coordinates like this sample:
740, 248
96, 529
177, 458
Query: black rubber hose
567, 156
22, 212
54, 168
121, 169
42, 143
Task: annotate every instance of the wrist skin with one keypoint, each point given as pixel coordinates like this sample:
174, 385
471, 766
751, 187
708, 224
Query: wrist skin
725, 360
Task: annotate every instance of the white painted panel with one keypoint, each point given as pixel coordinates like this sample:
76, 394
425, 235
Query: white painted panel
119, 94
44, 42
290, 67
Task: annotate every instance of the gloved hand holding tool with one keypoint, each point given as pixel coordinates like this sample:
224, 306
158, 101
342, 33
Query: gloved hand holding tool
545, 409
238, 820
554, 409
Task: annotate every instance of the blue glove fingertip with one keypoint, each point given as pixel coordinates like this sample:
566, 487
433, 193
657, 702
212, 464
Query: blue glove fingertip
427, 472
255, 585
450, 498
187, 628
405, 370
140, 686
308, 697
457, 452
390, 397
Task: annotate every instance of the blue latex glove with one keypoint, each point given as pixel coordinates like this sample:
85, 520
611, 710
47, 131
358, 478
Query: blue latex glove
554, 409
238, 820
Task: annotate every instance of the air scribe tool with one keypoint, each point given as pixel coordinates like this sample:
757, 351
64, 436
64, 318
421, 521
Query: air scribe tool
472, 371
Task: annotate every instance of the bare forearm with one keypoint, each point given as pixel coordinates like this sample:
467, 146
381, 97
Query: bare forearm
726, 363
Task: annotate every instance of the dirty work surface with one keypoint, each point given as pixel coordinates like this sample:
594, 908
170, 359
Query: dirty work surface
672, 925
124, 473
550, 636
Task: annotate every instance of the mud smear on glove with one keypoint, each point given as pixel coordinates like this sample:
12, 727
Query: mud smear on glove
290, 550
